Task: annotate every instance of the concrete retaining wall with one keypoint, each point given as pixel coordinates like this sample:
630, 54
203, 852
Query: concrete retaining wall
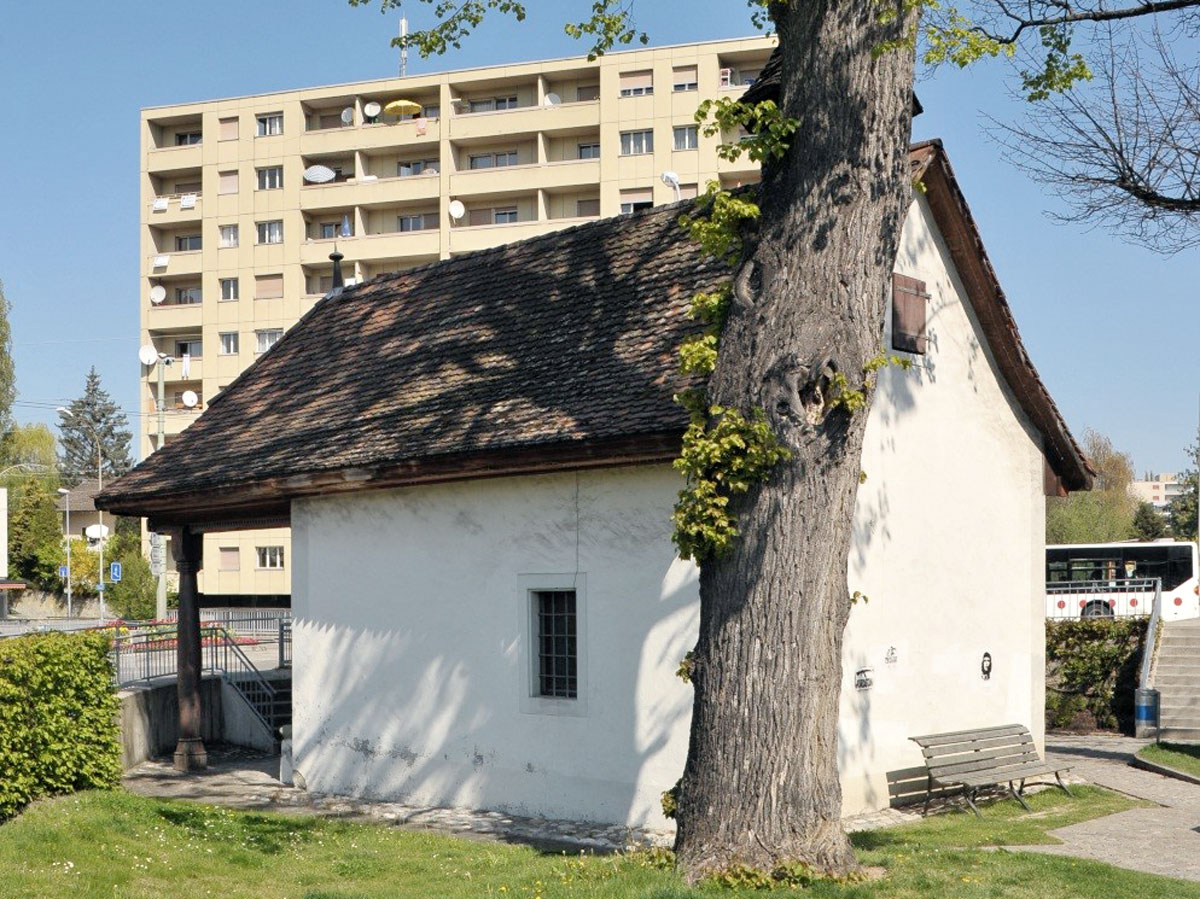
150, 720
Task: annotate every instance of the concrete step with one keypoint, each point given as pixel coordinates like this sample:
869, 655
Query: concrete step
1173, 678
1173, 666
1180, 645
1179, 734
1179, 703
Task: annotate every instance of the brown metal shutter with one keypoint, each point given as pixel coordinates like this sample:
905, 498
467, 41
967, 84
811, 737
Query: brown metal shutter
909, 301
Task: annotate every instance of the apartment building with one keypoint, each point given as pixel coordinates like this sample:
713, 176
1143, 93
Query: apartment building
1158, 489
244, 199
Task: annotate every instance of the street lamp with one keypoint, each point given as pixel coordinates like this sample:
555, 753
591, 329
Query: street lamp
63, 410
67, 494
151, 357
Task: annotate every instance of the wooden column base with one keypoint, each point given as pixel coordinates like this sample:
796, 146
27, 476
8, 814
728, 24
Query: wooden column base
190, 755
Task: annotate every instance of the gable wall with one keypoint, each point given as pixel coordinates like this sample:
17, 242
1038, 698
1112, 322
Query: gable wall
411, 640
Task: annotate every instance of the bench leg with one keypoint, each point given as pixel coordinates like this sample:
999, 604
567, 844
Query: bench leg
1017, 796
928, 793
1063, 786
969, 795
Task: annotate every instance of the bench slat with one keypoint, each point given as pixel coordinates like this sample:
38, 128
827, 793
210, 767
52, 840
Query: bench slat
961, 736
945, 749
984, 764
1003, 775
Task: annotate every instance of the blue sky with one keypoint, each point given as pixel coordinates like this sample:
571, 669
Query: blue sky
1112, 328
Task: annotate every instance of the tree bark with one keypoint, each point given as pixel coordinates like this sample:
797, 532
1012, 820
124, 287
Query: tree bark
761, 782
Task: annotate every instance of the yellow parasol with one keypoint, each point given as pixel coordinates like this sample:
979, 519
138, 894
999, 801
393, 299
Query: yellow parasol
403, 107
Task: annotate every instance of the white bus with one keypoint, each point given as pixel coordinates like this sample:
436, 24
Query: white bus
1107, 580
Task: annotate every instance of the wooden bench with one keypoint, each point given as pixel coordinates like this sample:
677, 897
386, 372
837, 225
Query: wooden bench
986, 757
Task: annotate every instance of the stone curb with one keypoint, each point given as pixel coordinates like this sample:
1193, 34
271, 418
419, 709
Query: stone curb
1164, 770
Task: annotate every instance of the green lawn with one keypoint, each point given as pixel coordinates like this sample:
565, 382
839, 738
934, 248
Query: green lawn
1174, 755
119, 846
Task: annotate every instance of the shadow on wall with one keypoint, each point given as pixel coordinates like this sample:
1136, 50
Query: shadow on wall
409, 714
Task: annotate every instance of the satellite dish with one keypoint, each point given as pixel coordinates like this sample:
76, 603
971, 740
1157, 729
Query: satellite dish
457, 209
95, 531
319, 174
552, 99
148, 354
158, 293
670, 179
190, 399
348, 115
372, 109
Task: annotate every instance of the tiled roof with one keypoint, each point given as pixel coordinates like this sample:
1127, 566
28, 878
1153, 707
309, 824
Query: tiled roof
566, 337
556, 351
82, 497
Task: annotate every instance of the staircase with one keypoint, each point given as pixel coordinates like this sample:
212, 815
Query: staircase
1177, 679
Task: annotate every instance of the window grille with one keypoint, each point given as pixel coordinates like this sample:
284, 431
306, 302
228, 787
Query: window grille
558, 660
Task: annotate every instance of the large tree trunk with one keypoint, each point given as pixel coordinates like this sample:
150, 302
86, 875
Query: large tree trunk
761, 782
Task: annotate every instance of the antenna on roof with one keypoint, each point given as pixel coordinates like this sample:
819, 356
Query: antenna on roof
403, 46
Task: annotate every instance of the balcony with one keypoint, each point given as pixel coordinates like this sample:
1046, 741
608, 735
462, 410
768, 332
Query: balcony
172, 209
400, 245
167, 263
569, 173
369, 192
490, 126
169, 159
498, 179
371, 137
465, 238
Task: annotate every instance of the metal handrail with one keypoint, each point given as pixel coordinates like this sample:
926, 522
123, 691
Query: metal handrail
240, 673
1151, 645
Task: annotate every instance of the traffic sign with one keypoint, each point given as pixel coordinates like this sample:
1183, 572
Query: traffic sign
63, 571
114, 572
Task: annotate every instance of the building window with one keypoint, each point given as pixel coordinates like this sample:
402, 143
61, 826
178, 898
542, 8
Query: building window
227, 182
909, 301
229, 343
329, 230
589, 151
187, 187
408, 168
636, 200
494, 160
432, 111
687, 137
557, 652
268, 287
270, 178
637, 84
187, 138
229, 288
229, 236
634, 143
269, 556
489, 104
189, 346
688, 191
187, 296
227, 129
269, 123
270, 232
229, 558
587, 92
587, 208
267, 338
684, 78
420, 221
506, 216
187, 242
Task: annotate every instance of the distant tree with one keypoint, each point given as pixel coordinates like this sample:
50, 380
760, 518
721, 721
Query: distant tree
1148, 523
85, 568
35, 539
94, 415
1181, 513
27, 453
1102, 514
134, 595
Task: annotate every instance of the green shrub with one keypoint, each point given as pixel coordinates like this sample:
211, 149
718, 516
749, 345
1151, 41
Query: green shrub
1092, 670
58, 717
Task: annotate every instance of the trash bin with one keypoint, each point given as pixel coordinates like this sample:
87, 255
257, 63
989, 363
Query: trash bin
1145, 712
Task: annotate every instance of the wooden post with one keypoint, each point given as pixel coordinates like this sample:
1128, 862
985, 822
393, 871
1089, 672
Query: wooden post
187, 548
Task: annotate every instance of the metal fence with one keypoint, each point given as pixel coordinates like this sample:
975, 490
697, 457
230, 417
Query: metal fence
264, 621
146, 653
1127, 598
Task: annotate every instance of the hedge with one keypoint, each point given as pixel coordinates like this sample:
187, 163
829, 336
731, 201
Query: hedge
1091, 672
58, 717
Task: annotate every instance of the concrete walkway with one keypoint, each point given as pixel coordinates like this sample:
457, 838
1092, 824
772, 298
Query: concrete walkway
1161, 840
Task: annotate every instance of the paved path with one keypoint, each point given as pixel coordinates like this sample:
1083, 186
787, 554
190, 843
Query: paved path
1161, 840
